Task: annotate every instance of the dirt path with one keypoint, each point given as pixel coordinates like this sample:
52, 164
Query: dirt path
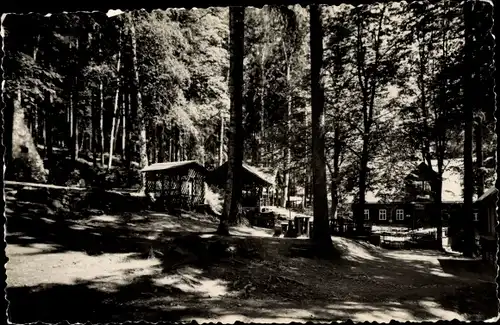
116, 266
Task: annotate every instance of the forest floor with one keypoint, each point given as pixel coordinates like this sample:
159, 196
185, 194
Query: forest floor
114, 267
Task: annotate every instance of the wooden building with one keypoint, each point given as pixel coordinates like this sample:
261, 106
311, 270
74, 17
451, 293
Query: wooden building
412, 204
258, 184
179, 184
486, 217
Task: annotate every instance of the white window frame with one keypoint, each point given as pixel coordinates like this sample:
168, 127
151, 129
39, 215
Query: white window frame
367, 214
476, 216
400, 214
380, 214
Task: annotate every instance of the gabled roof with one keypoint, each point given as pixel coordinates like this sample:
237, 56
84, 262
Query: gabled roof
491, 192
266, 175
254, 174
172, 166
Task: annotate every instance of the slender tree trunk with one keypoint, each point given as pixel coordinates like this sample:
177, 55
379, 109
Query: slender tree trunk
74, 126
140, 111
129, 129
438, 202
321, 232
479, 156
115, 111
221, 139
101, 120
124, 125
71, 116
94, 133
288, 158
233, 188
117, 129
48, 130
262, 106
161, 138
468, 138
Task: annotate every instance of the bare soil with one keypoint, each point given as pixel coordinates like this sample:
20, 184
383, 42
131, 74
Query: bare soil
151, 266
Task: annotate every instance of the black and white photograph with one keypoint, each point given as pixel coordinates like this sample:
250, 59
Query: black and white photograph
274, 164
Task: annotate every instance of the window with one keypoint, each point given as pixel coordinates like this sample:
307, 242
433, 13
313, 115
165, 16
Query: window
382, 214
367, 214
476, 216
400, 214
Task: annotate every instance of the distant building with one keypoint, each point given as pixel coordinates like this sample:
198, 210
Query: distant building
410, 202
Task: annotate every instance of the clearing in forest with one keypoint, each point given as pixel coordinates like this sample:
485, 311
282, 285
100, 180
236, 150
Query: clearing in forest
150, 266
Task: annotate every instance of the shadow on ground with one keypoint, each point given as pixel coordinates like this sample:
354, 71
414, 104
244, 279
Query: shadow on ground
205, 277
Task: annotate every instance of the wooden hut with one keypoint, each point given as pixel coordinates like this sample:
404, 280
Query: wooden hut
179, 184
258, 185
486, 206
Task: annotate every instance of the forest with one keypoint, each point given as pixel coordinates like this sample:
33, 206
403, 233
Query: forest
91, 98
365, 113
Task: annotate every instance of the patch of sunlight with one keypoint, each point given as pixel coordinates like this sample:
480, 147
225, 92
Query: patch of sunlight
26, 238
160, 215
170, 226
248, 231
413, 256
190, 281
441, 273
380, 277
104, 218
364, 312
277, 319
384, 316
47, 220
225, 319
441, 314
493, 320
206, 236
295, 313
37, 248
354, 251
78, 227
68, 267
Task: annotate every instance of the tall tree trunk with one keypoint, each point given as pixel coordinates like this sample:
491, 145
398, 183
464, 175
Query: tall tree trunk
74, 125
363, 171
129, 129
233, 188
438, 202
321, 232
143, 153
124, 125
286, 170
161, 140
262, 105
221, 139
48, 127
101, 120
468, 138
115, 116
94, 127
479, 156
